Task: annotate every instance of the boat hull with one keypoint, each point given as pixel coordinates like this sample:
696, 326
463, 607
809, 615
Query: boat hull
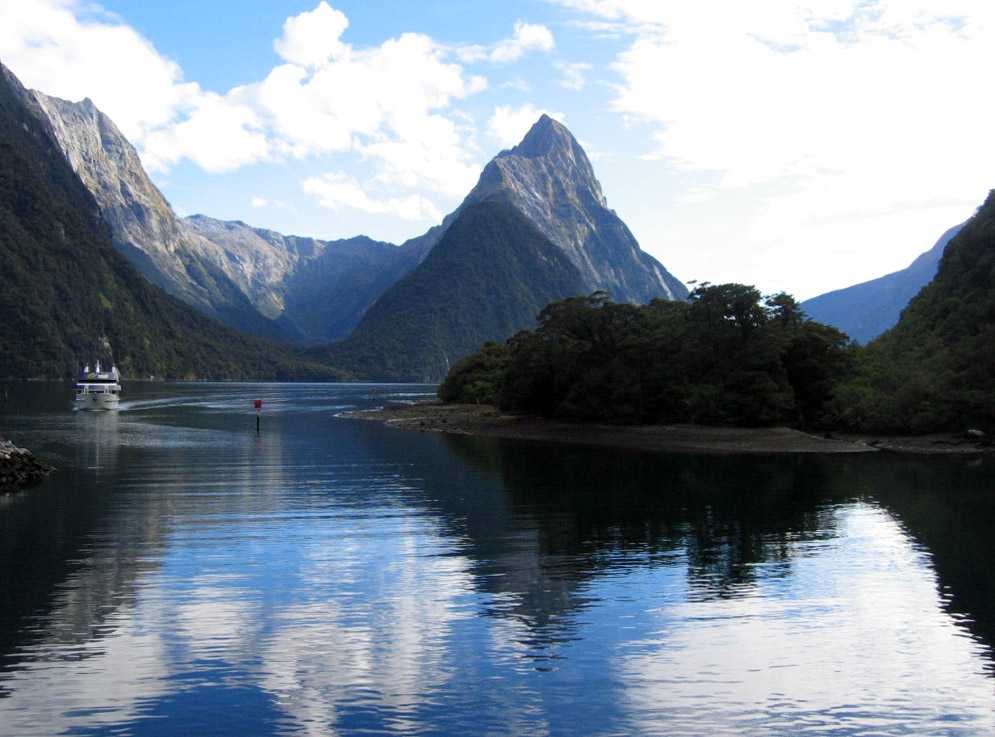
94, 400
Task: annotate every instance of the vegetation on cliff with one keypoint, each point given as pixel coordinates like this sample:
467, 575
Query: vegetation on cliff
731, 357
67, 297
935, 370
486, 279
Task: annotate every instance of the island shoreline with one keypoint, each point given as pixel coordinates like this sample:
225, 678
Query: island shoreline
487, 421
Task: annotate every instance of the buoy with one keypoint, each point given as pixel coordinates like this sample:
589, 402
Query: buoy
258, 404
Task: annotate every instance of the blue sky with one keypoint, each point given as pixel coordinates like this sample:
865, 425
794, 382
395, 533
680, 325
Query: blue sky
795, 145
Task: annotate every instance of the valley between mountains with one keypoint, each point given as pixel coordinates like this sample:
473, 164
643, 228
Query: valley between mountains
96, 263
535, 228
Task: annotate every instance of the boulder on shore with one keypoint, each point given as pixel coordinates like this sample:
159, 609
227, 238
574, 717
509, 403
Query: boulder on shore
19, 468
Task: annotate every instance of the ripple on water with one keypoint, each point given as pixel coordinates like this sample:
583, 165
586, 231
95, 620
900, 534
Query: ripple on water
181, 575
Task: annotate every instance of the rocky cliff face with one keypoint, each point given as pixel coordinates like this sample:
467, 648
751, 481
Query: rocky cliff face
549, 178
144, 227
318, 290
68, 296
314, 291
866, 310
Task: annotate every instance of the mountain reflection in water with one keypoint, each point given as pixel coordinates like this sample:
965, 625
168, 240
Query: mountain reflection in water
180, 575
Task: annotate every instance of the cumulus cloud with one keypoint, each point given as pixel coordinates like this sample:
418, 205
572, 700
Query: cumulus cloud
525, 38
313, 38
216, 133
334, 191
509, 125
60, 48
391, 103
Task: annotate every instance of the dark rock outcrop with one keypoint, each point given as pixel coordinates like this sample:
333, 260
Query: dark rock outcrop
19, 468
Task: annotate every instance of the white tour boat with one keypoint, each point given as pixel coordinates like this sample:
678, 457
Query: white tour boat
98, 389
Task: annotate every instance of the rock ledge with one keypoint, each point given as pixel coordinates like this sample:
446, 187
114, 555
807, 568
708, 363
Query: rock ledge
19, 468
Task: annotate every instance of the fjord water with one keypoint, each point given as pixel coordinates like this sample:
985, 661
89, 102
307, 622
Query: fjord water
181, 575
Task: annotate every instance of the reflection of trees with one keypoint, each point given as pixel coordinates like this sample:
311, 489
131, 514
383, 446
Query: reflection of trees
733, 519
946, 505
588, 511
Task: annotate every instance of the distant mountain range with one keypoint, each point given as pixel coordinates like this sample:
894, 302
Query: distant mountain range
866, 310
310, 291
67, 297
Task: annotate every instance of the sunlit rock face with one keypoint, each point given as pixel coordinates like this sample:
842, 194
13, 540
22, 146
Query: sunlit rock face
144, 227
318, 289
550, 179
313, 291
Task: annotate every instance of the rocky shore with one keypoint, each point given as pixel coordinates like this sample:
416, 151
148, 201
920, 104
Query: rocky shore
19, 468
469, 419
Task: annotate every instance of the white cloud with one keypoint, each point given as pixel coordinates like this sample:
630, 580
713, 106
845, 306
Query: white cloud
334, 191
525, 38
256, 201
58, 47
574, 75
217, 134
509, 125
311, 39
391, 104
829, 120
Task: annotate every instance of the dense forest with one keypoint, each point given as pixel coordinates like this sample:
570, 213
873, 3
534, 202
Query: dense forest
67, 297
726, 356
732, 356
935, 370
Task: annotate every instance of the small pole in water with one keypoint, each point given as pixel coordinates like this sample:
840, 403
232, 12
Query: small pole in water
258, 404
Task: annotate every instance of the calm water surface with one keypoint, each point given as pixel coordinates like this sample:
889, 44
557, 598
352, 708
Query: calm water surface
181, 576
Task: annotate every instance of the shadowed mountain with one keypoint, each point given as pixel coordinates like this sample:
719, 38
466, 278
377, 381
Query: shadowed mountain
144, 228
866, 310
487, 278
319, 289
933, 371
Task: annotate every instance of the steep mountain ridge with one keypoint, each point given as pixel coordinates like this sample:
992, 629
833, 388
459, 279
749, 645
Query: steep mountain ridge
67, 296
311, 291
866, 310
143, 226
488, 277
543, 232
550, 179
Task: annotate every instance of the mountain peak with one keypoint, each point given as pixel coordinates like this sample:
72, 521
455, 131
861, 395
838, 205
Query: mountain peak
545, 136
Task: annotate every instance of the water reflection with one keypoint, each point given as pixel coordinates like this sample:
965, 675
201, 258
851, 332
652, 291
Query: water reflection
181, 575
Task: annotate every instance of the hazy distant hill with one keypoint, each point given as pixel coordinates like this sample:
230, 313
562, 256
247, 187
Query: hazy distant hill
866, 310
320, 289
66, 296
